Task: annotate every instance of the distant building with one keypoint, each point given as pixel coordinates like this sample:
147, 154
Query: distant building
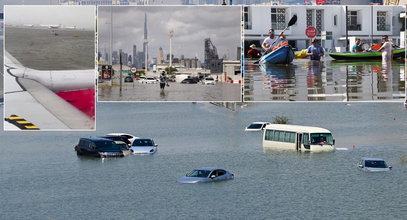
115, 57
160, 56
212, 60
134, 54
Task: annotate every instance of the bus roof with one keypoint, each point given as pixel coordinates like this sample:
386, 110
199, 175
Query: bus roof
297, 128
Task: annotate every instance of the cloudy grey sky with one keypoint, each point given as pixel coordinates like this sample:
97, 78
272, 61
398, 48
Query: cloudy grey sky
83, 17
191, 25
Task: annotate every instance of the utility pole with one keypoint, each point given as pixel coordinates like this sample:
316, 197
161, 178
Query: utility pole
170, 34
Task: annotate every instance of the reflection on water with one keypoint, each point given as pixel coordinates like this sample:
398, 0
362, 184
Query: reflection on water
329, 80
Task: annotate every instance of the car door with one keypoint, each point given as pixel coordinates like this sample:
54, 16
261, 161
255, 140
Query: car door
220, 175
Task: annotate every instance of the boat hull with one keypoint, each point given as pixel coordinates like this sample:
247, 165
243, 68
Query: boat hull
282, 55
398, 53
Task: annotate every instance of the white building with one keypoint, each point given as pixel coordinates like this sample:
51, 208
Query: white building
365, 22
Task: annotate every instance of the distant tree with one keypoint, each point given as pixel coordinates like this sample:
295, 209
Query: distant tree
281, 120
173, 69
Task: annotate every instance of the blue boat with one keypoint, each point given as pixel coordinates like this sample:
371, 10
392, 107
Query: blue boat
281, 55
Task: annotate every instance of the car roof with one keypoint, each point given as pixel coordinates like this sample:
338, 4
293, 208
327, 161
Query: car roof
119, 134
371, 158
119, 142
95, 139
209, 168
260, 122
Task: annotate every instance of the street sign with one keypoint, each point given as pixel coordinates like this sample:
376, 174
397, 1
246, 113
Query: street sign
311, 32
106, 71
133, 69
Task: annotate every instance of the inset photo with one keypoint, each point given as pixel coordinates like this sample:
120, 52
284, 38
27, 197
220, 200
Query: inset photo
169, 53
324, 53
49, 67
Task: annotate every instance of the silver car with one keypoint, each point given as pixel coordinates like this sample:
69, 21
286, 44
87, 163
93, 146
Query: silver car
373, 165
205, 175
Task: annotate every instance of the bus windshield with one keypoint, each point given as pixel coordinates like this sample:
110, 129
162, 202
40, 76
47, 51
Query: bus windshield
322, 138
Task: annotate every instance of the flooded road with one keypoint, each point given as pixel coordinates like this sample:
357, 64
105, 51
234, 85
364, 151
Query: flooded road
329, 80
175, 92
43, 178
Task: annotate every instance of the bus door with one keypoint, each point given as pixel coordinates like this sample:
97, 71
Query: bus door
305, 141
299, 141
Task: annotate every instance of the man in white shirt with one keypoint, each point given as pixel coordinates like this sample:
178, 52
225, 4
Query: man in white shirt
387, 48
271, 41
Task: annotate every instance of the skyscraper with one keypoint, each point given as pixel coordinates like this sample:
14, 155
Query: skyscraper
134, 54
160, 56
145, 43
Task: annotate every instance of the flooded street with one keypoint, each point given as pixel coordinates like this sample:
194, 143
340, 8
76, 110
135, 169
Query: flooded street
43, 178
175, 92
329, 80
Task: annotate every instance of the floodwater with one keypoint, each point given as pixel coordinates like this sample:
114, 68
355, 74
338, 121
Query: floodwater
329, 80
42, 178
175, 92
51, 49
1, 69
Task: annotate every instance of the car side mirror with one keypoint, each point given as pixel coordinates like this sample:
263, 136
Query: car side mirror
156, 145
334, 141
213, 176
390, 167
360, 166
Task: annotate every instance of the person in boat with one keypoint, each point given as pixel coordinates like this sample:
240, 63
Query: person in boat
271, 41
315, 51
357, 48
253, 52
387, 49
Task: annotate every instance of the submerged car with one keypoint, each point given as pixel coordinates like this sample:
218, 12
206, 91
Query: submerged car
373, 165
124, 147
205, 175
149, 80
98, 147
116, 138
128, 79
129, 137
257, 126
209, 81
190, 81
143, 146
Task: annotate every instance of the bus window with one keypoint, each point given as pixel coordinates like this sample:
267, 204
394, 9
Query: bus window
305, 139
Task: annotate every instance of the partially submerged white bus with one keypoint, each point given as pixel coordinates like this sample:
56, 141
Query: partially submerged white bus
296, 137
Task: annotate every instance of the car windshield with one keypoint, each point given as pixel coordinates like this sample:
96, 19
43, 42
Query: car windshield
255, 126
106, 145
149, 78
322, 138
209, 79
375, 164
143, 142
199, 173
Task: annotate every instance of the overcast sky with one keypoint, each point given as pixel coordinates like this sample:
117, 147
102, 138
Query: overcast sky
83, 17
191, 25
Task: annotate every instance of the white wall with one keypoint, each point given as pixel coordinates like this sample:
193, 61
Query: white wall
260, 17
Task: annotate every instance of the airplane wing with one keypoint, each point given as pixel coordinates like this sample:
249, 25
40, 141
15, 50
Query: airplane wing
31, 104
